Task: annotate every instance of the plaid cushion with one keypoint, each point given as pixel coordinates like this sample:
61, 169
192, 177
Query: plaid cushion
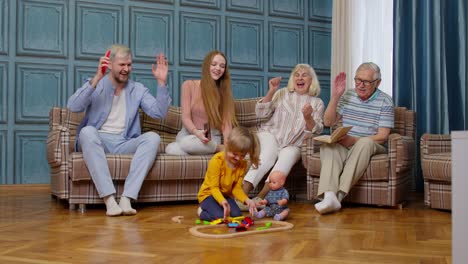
245, 112
438, 195
165, 167
84, 192
436, 165
166, 128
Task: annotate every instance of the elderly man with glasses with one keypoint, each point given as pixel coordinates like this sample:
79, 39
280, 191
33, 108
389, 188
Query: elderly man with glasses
370, 113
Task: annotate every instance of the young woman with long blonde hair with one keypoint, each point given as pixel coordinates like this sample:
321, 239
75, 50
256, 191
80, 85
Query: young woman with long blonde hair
207, 109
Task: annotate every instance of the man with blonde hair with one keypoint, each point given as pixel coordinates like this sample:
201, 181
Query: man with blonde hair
112, 125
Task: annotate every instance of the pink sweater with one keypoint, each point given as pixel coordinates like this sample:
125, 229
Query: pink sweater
193, 110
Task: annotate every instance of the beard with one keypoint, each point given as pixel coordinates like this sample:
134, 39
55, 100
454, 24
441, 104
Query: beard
121, 77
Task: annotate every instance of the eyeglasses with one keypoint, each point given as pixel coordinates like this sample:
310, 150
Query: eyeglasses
358, 81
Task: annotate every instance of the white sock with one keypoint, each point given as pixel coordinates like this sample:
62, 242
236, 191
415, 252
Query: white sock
113, 208
329, 204
126, 206
199, 211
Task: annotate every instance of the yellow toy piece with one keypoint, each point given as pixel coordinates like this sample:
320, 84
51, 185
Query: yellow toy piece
237, 219
217, 221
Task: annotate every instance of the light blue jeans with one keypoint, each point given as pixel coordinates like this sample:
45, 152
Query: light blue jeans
95, 145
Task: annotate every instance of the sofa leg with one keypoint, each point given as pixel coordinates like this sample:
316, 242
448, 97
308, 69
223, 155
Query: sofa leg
82, 208
400, 205
71, 207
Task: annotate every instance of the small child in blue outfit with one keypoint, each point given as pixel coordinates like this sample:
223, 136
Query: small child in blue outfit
276, 199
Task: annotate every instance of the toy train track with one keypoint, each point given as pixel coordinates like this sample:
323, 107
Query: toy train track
222, 231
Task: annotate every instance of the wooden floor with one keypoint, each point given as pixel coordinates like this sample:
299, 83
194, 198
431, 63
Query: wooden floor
35, 228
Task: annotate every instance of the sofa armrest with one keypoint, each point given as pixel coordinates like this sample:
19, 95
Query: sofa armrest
58, 139
401, 150
309, 147
435, 143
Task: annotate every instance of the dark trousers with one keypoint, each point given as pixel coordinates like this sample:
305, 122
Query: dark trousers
212, 210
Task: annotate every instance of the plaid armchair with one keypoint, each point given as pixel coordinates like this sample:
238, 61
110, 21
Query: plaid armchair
386, 182
436, 164
172, 178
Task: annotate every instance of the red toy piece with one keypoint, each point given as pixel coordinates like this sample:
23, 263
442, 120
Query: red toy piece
104, 68
246, 223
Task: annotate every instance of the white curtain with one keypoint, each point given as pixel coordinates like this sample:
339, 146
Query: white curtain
362, 31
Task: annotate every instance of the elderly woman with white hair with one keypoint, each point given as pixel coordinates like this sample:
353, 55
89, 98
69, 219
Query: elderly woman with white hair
294, 114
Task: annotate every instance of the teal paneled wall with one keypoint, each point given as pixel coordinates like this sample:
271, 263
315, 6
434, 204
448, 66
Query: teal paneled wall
49, 47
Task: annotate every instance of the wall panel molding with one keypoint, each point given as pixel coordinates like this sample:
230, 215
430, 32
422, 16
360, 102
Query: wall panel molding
287, 8
247, 86
325, 88
30, 160
199, 35
188, 75
321, 10
241, 53
4, 14
97, 27
39, 87
160, 1
42, 28
320, 50
286, 46
3, 92
145, 76
152, 32
82, 74
250, 6
213, 4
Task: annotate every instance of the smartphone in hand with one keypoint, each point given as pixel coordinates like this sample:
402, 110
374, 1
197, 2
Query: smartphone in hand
104, 68
207, 129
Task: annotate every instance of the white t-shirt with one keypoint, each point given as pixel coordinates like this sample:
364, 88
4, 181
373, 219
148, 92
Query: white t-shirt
115, 123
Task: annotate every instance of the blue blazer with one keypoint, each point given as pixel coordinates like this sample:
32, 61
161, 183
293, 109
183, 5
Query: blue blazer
97, 104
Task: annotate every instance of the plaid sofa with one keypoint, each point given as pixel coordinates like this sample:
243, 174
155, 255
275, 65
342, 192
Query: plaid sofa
436, 165
172, 178
386, 182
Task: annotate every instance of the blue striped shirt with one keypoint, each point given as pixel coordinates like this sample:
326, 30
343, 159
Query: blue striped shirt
366, 116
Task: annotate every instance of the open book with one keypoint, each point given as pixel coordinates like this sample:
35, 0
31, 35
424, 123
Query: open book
335, 136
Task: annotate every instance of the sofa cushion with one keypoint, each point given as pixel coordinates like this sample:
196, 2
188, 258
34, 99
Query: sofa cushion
166, 128
245, 112
437, 167
166, 167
